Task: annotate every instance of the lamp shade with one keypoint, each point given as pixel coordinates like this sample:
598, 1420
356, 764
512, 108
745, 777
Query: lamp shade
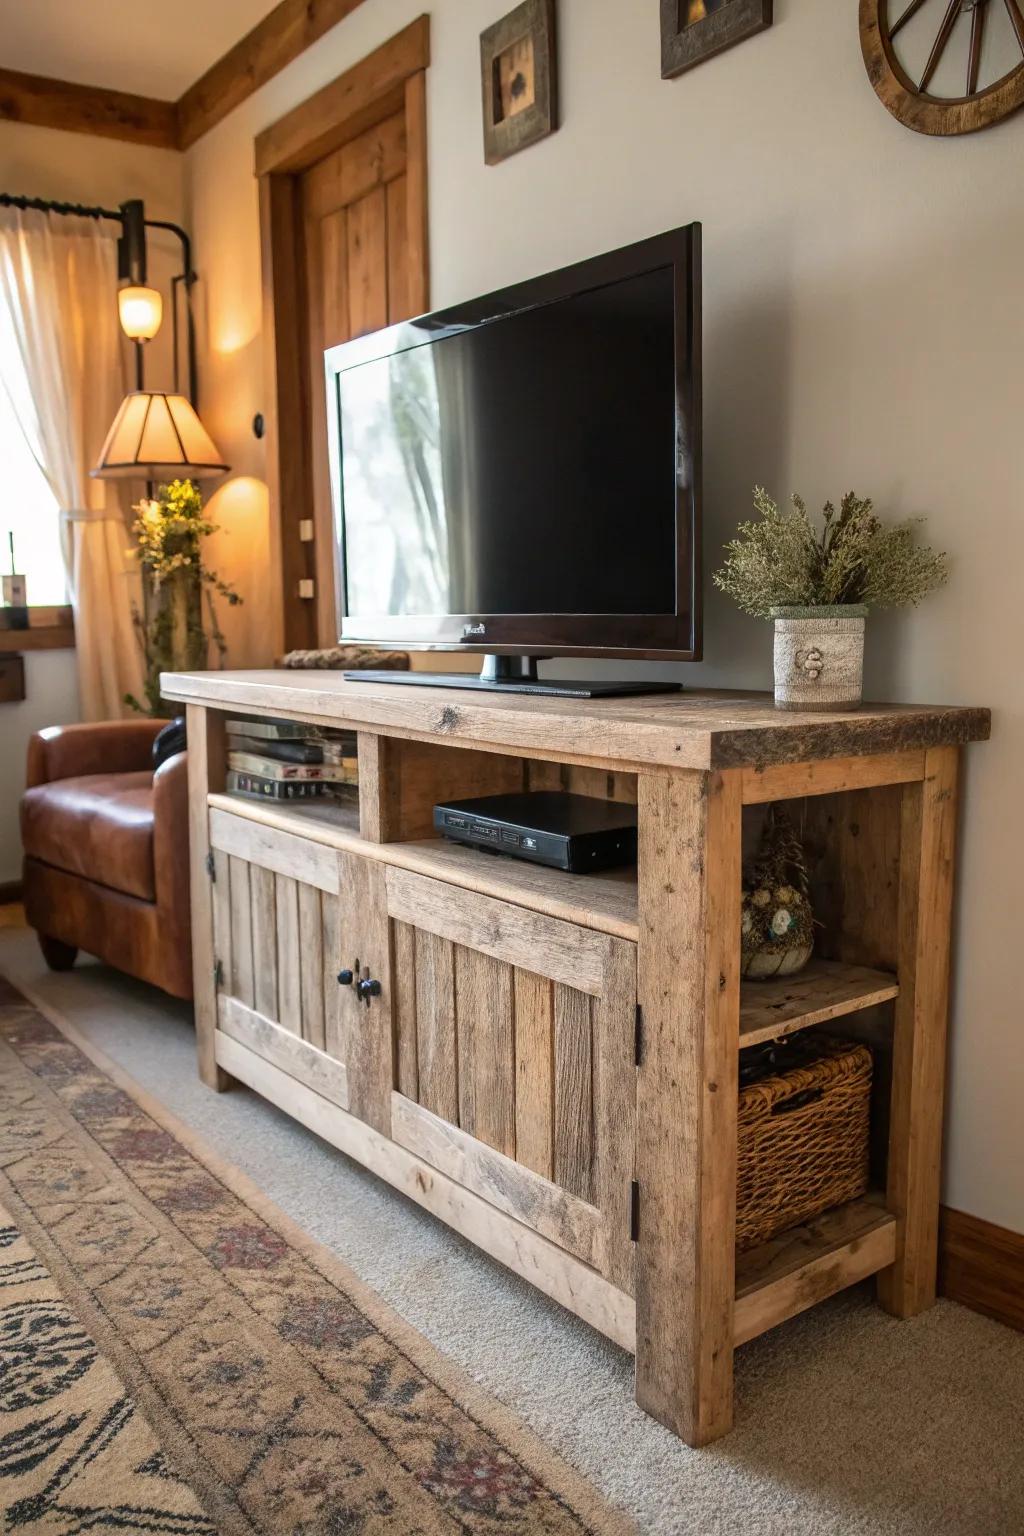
141, 310
158, 437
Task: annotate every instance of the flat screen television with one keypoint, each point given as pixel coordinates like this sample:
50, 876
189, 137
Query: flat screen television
520, 475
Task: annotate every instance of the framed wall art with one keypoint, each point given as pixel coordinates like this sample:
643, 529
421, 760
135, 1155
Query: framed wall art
519, 75
695, 30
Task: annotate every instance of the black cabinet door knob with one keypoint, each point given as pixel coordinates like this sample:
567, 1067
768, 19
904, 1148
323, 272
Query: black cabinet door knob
345, 978
367, 989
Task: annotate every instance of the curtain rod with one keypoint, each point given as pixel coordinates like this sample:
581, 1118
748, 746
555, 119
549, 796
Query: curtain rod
186, 277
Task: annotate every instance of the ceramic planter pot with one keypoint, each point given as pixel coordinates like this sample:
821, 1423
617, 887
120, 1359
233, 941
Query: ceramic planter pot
819, 657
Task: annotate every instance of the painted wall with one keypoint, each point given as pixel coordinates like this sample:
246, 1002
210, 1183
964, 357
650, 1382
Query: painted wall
45, 162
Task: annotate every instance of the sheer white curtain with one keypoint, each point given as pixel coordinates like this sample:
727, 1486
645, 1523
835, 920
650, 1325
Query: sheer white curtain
59, 328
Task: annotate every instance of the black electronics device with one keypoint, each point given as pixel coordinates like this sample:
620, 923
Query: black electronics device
563, 831
520, 475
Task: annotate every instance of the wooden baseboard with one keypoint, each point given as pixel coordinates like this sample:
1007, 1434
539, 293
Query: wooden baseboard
982, 1266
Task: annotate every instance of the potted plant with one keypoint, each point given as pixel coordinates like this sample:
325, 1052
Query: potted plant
175, 632
818, 586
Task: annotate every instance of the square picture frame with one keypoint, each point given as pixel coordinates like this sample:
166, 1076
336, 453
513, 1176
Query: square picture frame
686, 42
519, 79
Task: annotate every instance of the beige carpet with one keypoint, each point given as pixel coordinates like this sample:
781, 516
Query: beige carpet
848, 1423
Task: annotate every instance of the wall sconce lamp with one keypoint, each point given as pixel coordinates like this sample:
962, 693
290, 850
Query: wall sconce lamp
141, 311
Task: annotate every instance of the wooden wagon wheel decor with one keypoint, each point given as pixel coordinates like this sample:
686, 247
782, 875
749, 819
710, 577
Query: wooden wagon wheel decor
978, 45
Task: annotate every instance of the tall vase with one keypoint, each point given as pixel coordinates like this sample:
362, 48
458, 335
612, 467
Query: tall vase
819, 657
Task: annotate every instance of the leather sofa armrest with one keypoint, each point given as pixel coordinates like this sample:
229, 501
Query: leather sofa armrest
170, 843
108, 746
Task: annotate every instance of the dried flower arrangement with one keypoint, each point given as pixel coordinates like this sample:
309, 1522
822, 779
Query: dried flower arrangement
783, 561
169, 531
777, 921
818, 584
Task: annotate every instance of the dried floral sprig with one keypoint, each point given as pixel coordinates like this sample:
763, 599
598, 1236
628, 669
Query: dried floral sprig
782, 560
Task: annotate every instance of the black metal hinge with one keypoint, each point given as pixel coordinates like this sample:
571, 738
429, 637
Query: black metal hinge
211, 867
218, 972
638, 1038
634, 1212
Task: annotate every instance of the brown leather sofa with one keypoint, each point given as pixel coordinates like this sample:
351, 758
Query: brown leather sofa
106, 851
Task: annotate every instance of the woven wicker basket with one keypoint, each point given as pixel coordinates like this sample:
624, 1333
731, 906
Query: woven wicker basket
803, 1140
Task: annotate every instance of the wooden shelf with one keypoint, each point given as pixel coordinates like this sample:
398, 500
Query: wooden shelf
824, 990
806, 1264
605, 902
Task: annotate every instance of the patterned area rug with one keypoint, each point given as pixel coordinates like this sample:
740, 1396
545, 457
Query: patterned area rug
177, 1357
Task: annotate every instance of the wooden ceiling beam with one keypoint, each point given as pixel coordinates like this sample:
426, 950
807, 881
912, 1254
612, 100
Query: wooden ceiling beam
286, 32
47, 103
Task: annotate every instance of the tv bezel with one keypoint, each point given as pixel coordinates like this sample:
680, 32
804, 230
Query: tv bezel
668, 637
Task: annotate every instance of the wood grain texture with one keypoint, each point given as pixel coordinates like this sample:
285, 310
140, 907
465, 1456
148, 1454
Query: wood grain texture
289, 465
222, 917
408, 779
823, 991
366, 233
334, 1042
700, 729
289, 954
311, 965
414, 234
576, 957
853, 846
369, 92
554, 1272
804, 1265
504, 1183
285, 1050
285, 32
688, 981
535, 1082
574, 1100
486, 1049
264, 940
790, 781
241, 979
372, 160
436, 1044
284, 852
919, 1041
47, 103
982, 1266
206, 765
365, 944
614, 1093
403, 971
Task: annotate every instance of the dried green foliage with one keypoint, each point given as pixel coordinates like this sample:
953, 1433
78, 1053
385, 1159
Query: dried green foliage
782, 560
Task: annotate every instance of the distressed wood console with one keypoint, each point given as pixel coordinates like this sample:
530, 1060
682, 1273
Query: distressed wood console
550, 1065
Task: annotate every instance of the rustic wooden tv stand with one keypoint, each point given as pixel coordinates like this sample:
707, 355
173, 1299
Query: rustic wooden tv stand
550, 1065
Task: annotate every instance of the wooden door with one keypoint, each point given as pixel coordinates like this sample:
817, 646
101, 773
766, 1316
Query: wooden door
362, 273
514, 1061
343, 218
277, 949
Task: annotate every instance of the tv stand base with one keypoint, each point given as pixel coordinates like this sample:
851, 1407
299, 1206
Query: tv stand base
515, 674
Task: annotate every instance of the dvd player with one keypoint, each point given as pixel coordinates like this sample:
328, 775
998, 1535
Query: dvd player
563, 831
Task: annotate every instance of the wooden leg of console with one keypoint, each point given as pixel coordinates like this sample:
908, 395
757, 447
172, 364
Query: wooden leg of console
206, 759
689, 874
927, 846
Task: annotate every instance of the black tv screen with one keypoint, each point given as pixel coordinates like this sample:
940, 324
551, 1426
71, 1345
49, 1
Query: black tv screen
521, 473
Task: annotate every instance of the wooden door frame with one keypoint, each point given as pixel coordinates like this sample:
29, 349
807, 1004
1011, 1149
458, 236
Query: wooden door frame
390, 80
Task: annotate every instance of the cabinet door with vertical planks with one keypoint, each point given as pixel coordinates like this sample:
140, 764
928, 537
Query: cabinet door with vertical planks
277, 945
514, 1061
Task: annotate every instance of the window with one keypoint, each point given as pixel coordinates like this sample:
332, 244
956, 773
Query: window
28, 508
